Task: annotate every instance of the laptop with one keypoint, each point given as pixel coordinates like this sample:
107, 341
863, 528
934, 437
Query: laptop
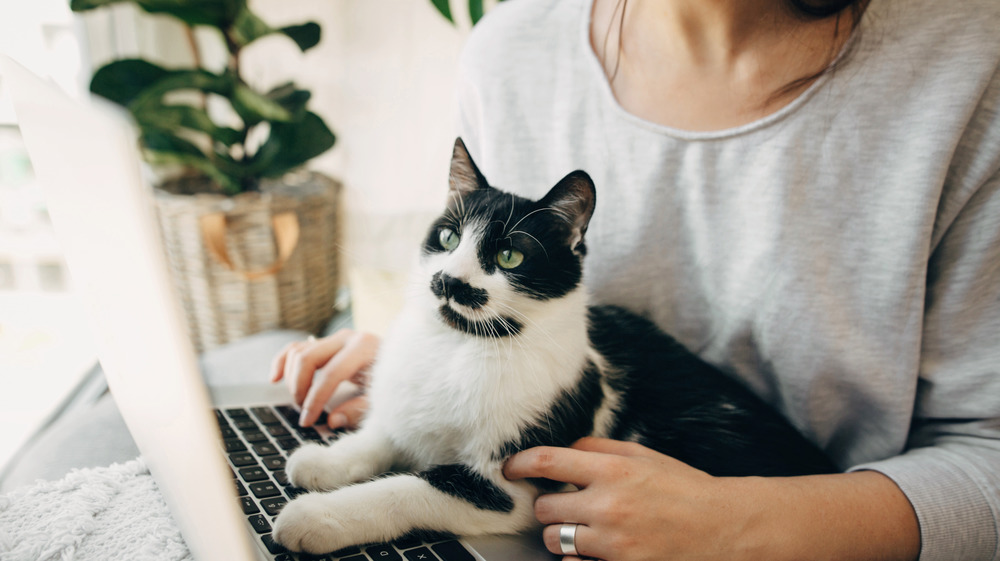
192, 437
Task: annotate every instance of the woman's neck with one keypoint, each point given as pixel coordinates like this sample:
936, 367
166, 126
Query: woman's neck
709, 64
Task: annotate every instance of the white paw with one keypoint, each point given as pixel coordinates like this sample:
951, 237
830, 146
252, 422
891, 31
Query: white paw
319, 468
308, 524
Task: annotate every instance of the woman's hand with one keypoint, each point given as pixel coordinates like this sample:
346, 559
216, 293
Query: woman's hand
635, 504
313, 369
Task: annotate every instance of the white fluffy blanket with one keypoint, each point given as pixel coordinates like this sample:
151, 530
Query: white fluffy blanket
95, 514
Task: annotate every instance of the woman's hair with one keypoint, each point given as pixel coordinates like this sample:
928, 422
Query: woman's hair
807, 9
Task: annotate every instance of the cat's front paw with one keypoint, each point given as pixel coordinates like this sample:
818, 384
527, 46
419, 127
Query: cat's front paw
316, 467
306, 524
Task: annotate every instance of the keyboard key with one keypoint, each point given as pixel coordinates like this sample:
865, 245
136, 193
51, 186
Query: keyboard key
265, 449
255, 436
271, 545
246, 424
241, 491
234, 445
243, 459
288, 444
274, 463
277, 431
264, 489
309, 433
406, 542
260, 523
252, 474
382, 552
248, 506
290, 413
237, 413
352, 550
420, 554
265, 415
354, 558
452, 551
272, 505
281, 477
288, 557
293, 491
227, 431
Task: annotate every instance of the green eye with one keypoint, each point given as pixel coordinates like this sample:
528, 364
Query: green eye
448, 238
509, 258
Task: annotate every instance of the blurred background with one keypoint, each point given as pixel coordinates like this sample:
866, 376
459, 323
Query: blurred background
382, 78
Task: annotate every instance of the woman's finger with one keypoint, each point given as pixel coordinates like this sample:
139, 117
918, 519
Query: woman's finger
278, 362
348, 414
616, 447
355, 355
302, 361
571, 506
588, 544
560, 464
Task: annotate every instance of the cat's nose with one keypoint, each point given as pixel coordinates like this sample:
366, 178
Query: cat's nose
448, 287
452, 286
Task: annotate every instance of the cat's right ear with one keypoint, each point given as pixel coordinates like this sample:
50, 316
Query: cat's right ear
465, 176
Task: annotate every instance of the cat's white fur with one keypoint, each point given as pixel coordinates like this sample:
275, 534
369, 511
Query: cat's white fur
440, 396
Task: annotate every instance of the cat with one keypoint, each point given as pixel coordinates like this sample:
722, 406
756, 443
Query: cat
498, 350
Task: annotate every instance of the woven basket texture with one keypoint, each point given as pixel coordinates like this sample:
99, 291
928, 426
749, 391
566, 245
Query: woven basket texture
222, 305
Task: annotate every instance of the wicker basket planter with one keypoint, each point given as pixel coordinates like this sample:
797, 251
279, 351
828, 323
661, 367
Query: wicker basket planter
255, 261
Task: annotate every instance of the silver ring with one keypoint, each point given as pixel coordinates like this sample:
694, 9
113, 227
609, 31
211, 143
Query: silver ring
567, 539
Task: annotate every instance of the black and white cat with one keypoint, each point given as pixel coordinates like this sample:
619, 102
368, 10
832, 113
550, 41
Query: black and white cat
499, 350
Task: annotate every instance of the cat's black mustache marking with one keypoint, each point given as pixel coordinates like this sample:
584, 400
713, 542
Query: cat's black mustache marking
448, 287
491, 327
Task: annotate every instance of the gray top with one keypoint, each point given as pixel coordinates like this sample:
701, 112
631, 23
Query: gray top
841, 256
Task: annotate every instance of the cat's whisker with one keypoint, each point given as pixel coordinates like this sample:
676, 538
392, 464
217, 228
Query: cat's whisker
534, 238
537, 210
511, 215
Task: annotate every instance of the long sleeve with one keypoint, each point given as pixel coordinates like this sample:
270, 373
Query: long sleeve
951, 469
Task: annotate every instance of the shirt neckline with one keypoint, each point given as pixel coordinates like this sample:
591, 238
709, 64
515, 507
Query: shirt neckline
596, 73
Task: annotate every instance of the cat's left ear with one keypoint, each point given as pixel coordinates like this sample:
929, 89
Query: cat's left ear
465, 177
573, 199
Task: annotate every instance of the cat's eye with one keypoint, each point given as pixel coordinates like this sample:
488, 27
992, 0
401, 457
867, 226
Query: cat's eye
448, 238
509, 258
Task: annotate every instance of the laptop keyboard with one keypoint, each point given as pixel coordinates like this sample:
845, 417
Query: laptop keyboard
258, 441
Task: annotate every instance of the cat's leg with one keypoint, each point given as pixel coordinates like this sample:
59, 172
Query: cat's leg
352, 458
450, 498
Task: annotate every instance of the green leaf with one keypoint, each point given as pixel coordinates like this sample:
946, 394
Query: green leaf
199, 80
445, 9
163, 148
216, 13
254, 108
291, 98
475, 11
306, 35
175, 117
292, 144
122, 81
248, 28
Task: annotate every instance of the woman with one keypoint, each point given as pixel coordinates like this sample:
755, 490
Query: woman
807, 194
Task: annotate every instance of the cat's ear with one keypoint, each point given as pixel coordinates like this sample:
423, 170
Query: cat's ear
573, 199
465, 176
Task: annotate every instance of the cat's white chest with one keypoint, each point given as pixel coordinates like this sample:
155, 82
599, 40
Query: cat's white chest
445, 397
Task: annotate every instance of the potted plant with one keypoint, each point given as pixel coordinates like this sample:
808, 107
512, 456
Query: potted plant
250, 236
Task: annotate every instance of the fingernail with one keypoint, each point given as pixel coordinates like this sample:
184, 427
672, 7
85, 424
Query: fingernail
302, 418
337, 420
